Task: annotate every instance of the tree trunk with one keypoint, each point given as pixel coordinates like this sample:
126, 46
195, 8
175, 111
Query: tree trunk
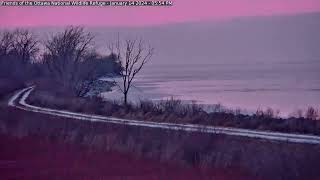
126, 98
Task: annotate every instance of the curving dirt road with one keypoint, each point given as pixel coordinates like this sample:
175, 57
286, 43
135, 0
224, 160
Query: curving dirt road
18, 100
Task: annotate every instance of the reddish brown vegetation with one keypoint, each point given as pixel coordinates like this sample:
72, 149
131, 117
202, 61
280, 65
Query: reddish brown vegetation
270, 160
37, 158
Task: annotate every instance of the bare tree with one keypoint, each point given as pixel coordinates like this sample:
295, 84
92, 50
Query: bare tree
18, 49
133, 54
68, 54
25, 45
6, 43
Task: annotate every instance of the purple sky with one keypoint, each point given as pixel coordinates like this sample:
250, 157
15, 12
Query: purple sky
182, 11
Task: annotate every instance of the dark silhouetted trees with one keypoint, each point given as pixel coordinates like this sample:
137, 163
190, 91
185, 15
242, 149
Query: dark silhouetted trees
18, 50
72, 60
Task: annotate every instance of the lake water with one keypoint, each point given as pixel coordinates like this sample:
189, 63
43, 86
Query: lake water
281, 86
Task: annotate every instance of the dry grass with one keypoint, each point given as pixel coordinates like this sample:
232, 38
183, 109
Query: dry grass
270, 160
175, 111
8, 85
53, 159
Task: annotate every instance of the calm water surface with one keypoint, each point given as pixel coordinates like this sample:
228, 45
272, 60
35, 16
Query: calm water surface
281, 86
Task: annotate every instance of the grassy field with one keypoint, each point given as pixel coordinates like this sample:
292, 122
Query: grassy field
255, 158
37, 158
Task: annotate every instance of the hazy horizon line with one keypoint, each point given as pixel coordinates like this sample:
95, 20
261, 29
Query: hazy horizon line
204, 21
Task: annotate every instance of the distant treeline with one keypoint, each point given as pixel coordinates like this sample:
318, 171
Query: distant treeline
67, 58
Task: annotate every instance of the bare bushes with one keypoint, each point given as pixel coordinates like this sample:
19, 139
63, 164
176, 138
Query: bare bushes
312, 114
173, 107
173, 110
270, 160
268, 113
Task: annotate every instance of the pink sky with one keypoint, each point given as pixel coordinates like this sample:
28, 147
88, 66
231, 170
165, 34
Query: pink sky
182, 11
